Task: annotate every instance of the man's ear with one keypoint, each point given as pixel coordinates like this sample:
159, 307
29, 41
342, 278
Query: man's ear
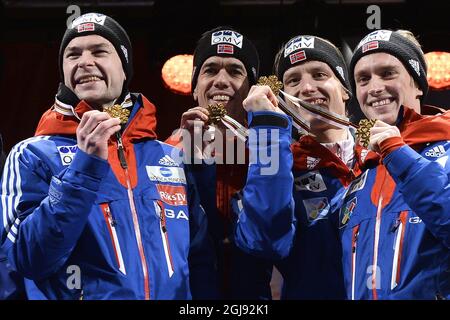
345, 94
194, 94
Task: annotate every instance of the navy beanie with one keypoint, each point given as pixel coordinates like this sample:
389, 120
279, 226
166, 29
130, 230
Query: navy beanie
226, 42
108, 28
397, 45
310, 48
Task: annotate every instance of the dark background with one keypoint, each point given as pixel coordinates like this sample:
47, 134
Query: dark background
31, 31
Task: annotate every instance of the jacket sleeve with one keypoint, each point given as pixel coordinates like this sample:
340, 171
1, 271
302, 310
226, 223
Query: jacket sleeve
202, 260
425, 187
264, 209
44, 215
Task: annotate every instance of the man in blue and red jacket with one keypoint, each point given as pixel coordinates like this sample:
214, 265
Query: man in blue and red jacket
394, 219
94, 207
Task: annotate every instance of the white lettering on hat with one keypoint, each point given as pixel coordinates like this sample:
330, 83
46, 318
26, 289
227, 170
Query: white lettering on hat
227, 36
89, 17
380, 35
416, 66
297, 43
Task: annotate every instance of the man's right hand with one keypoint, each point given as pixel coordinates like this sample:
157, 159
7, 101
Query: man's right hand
192, 116
261, 98
94, 131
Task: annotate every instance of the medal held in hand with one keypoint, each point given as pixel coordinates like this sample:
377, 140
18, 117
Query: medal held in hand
116, 111
363, 132
272, 82
216, 113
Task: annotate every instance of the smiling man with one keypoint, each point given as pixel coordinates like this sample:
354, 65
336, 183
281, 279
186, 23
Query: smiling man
226, 64
93, 205
313, 173
395, 220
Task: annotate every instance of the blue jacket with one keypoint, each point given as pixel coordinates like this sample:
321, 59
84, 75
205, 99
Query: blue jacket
84, 228
265, 222
312, 268
395, 219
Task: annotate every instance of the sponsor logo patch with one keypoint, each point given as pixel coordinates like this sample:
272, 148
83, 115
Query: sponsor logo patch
300, 42
166, 174
357, 184
225, 48
340, 70
312, 181
90, 17
435, 152
378, 35
370, 46
316, 208
227, 36
66, 153
346, 212
312, 162
297, 56
172, 195
167, 161
415, 65
125, 51
89, 26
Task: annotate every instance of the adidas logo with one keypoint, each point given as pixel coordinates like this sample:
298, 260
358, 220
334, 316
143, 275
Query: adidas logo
312, 162
341, 71
436, 152
415, 65
363, 155
167, 161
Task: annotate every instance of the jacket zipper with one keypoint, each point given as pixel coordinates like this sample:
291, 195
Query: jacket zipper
375, 249
137, 230
355, 233
159, 206
400, 227
111, 224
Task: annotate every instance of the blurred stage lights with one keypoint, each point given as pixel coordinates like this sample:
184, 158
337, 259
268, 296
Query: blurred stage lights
177, 73
438, 74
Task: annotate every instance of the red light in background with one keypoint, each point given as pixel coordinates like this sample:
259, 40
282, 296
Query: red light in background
438, 74
177, 73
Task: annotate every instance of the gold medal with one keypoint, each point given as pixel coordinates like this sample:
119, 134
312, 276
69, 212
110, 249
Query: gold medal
116, 111
272, 81
363, 132
216, 113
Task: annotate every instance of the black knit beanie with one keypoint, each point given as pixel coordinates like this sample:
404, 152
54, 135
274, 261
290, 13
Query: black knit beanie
108, 28
226, 42
400, 47
310, 48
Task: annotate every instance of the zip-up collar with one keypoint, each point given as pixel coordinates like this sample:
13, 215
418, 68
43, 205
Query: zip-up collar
63, 119
311, 155
416, 130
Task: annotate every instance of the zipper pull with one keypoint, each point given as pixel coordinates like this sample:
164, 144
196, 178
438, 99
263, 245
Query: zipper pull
112, 221
162, 216
121, 153
395, 225
354, 242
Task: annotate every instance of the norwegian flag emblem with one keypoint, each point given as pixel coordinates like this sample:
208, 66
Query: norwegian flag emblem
89, 26
298, 56
225, 48
370, 46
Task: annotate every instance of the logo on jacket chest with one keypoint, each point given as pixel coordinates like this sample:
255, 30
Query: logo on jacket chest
312, 181
346, 212
316, 208
166, 174
66, 153
172, 195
